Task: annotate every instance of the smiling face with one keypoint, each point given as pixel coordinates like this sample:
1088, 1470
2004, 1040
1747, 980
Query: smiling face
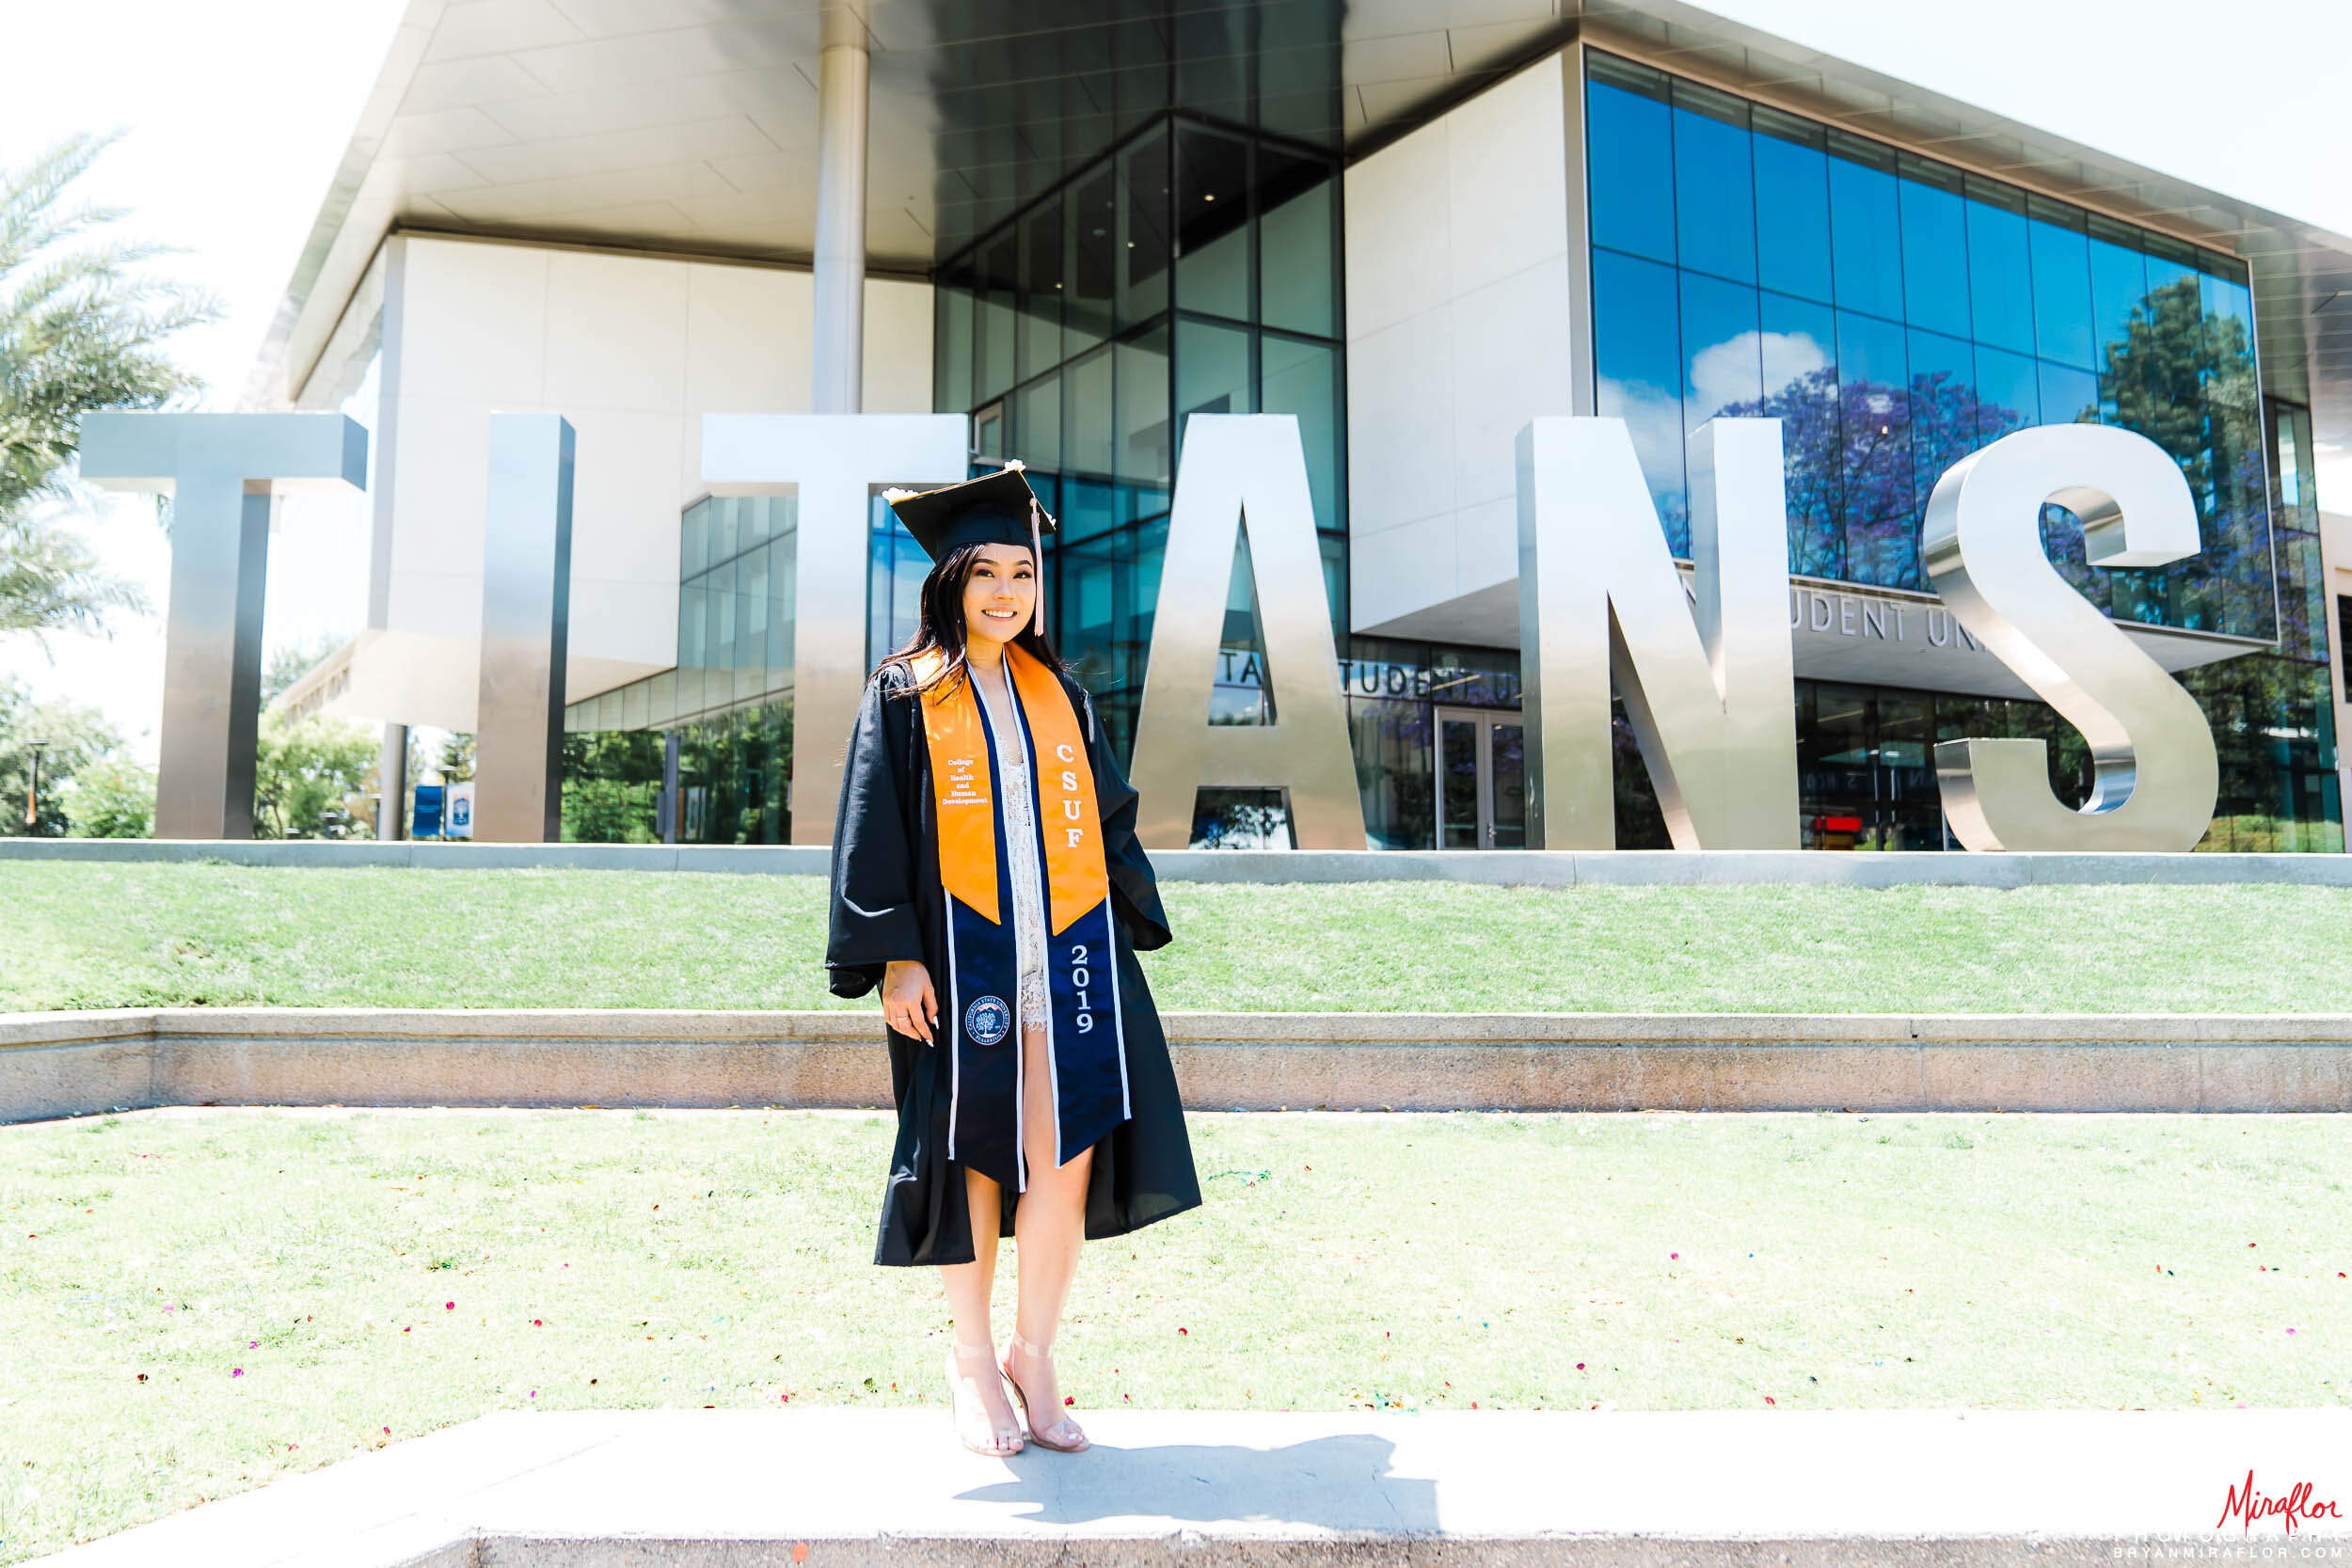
1001, 594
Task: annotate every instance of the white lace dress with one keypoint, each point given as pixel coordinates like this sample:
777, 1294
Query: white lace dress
1028, 898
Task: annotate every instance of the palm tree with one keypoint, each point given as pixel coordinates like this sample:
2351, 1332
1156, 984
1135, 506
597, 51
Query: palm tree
81, 328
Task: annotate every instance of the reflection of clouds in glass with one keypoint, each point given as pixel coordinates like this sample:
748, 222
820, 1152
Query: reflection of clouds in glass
1789, 356
1725, 373
1653, 418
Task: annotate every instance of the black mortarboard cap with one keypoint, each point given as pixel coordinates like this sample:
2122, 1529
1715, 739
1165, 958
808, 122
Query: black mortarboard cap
994, 509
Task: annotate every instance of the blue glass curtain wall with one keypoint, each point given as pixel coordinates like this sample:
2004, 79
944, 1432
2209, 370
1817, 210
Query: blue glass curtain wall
1897, 313
1192, 269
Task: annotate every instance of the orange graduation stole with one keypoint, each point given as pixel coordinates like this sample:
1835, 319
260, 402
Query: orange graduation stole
1086, 1039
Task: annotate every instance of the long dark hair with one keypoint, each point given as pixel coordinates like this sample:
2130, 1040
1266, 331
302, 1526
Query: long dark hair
940, 624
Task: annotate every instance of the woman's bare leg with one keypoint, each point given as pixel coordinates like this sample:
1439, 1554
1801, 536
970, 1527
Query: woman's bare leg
1048, 1229
970, 1286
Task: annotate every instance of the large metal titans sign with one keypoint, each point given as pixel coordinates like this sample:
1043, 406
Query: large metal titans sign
1709, 687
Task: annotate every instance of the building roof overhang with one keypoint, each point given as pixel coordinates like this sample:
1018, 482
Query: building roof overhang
690, 126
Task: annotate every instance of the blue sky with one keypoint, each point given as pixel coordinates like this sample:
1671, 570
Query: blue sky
235, 113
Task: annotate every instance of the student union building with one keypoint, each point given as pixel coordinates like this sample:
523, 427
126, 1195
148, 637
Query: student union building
1078, 226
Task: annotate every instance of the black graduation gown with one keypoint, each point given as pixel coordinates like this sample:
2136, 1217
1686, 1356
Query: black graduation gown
887, 903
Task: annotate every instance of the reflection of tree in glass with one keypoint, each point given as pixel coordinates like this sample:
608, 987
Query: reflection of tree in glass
1854, 511
2184, 377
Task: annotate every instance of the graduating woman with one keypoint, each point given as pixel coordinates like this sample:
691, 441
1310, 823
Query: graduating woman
986, 876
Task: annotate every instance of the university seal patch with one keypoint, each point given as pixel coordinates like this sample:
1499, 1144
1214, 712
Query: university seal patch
987, 1020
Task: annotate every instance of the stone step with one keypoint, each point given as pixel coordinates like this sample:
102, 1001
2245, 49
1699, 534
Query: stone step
1511, 867
733, 1488
79, 1063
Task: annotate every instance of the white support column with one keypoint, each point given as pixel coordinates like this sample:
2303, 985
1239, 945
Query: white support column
838, 343
526, 622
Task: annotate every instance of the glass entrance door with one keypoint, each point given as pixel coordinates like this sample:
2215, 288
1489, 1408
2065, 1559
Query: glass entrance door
1481, 780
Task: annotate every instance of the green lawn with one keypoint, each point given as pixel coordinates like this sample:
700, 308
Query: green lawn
132, 935
192, 1302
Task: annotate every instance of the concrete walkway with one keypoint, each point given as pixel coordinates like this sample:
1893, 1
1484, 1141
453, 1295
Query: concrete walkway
736, 1488
79, 1062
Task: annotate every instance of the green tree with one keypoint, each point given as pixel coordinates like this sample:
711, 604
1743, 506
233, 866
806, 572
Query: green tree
78, 738
288, 664
313, 780
114, 798
82, 326
456, 759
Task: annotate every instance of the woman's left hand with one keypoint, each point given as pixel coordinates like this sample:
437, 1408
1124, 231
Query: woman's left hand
908, 1004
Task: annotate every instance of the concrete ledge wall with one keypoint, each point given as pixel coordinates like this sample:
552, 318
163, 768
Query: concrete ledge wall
77, 1064
1515, 867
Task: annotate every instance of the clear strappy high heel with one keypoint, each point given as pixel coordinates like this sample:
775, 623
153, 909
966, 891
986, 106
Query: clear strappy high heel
1061, 1423
954, 1404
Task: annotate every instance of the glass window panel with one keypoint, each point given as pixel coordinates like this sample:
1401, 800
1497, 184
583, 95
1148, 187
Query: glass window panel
781, 610
1714, 183
1333, 547
750, 611
755, 519
1392, 765
1086, 306
909, 567
2000, 289
1457, 787
1792, 243
2061, 294
994, 353
2119, 286
1089, 506
694, 604
1722, 364
1637, 361
2069, 396
1299, 75
719, 647
1874, 416
1506, 784
1037, 423
2230, 338
2296, 465
1800, 364
1143, 234
1943, 408
1211, 372
1087, 448
1630, 162
1935, 252
951, 392
694, 540
2009, 395
1303, 379
725, 509
1297, 279
1866, 243
1040, 290
878, 571
1143, 453
755, 591
1213, 223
